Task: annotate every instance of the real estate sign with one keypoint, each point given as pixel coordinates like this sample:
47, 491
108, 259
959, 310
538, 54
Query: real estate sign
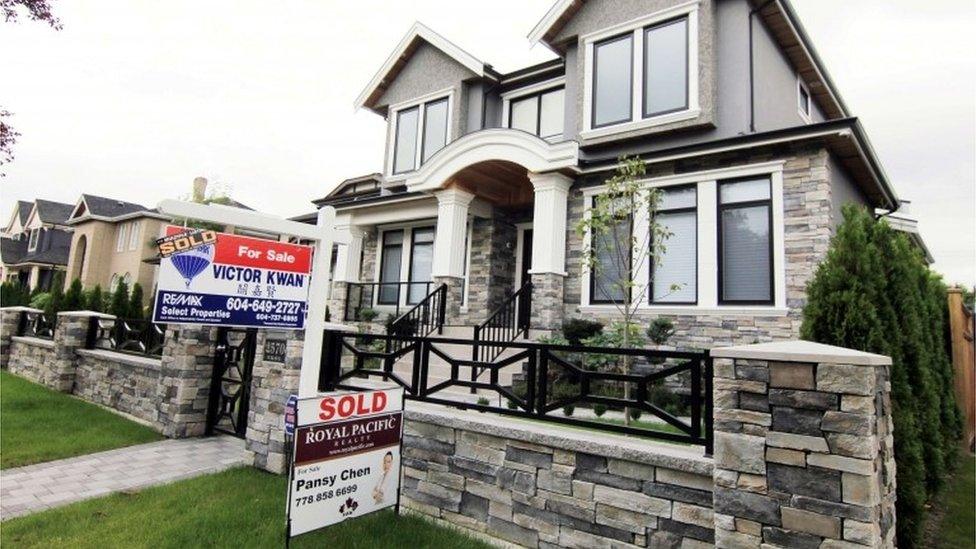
212, 278
346, 459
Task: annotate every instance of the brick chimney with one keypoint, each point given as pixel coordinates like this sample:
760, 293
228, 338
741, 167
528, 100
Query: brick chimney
199, 189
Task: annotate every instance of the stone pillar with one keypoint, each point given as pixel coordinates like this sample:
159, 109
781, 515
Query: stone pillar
70, 334
448, 263
804, 452
186, 368
548, 269
347, 268
9, 321
271, 384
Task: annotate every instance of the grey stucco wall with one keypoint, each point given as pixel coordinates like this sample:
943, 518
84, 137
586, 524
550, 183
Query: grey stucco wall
842, 190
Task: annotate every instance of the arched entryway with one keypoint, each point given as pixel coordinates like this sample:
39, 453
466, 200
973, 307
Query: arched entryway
81, 252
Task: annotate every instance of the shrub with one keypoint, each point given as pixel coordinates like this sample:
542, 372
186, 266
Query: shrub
95, 299
635, 414
12, 294
874, 293
599, 410
575, 330
119, 305
483, 401
368, 315
512, 405
135, 302
40, 300
74, 298
56, 302
660, 330
568, 410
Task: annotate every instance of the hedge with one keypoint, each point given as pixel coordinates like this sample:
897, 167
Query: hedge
874, 292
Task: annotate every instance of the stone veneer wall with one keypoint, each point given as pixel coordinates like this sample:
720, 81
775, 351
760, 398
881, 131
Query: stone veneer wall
271, 385
807, 217
804, 450
543, 487
51, 362
126, 383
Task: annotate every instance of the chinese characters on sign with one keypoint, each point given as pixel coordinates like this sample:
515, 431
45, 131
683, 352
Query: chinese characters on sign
346, 457
212, 278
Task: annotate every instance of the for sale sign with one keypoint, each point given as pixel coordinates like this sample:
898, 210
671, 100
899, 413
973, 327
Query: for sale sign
346, 459
212, 278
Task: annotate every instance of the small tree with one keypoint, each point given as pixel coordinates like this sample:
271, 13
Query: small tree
12, 294
120, 300
74, 299
95, 299
135, 302
616, 250
56, 303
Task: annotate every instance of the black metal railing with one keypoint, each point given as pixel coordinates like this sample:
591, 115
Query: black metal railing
423, 319
538, 381
126, 335
504, 324
370, 295
37, 324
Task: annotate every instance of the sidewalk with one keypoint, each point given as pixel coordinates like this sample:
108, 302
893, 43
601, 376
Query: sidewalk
25, 490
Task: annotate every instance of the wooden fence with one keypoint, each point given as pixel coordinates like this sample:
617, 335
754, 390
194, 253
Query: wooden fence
962, 323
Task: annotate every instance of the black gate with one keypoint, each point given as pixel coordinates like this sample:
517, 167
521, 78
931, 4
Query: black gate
230, 387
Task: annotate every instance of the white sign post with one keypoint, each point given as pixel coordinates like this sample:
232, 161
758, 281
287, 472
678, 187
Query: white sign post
322, 234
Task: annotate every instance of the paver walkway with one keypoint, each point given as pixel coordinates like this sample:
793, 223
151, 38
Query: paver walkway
25, 490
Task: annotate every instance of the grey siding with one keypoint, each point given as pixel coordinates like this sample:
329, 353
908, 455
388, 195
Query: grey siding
842, 191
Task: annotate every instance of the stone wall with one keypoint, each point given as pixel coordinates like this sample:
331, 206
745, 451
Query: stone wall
9, 321
30, 358
126, 383
51, 362
538, 486
804, 451
271, 385
185, 371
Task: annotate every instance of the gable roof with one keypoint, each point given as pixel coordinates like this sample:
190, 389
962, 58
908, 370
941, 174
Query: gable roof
354, 188
23, 210
109, 207
778, 15
417, 34
49, 211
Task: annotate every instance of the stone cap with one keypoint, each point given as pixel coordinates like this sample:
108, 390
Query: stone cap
20, 309
340, 327
86, 314
801, 351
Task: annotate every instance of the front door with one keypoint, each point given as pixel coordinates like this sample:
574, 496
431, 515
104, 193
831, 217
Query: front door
230, 386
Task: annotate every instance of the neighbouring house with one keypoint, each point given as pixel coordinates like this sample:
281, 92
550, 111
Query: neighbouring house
113, 241
486, 173
35, 243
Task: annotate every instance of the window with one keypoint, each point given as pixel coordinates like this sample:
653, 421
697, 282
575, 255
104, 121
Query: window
745, 241
114, 282
612, 253
390, 263
421, 261
421, 130
666, 68
612, 80
803, 99
121, 237
134, 235
34, 237
677, 267
541, 114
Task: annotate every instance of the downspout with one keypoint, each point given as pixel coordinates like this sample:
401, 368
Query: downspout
752, 68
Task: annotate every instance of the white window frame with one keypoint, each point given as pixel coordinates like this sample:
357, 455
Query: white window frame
421, 104
707, 187
33, 239
636, 27
405, 257
806, 115
120, 238
537, 88
134, 235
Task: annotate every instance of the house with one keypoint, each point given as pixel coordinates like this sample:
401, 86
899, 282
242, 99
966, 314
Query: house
486, 174
113, 241
35, 242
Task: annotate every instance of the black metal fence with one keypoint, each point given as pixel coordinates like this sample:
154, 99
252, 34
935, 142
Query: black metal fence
126, 335
538, 381
369, 295
39, 325
504, 324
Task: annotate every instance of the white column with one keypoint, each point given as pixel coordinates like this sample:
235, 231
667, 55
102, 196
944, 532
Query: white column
549, 222
349, 256
452, 220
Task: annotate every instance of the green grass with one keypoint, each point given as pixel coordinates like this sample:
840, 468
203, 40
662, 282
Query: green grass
38, 424
237, 508
957, 528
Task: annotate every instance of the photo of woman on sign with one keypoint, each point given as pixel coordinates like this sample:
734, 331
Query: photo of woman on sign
384, 487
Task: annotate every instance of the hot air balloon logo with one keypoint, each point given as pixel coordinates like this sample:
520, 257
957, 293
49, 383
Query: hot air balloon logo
193, 262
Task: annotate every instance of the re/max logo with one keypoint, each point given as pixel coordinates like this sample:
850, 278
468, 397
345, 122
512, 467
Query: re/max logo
183, 299
182, 242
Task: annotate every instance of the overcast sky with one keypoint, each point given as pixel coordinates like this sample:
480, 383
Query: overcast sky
132, 100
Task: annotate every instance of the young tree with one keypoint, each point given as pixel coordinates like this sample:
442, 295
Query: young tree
135, 302
120, 300
56, 302
74, 299
618, 245
95, 300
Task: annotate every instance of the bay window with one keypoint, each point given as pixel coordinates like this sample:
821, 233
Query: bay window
674, 274
540, 114
419, 131
745, 241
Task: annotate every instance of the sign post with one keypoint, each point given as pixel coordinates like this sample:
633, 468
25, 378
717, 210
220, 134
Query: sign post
346, 458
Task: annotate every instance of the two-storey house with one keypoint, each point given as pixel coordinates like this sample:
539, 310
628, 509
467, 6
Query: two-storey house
486, 174
35, 243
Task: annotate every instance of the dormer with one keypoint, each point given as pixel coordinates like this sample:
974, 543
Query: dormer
423, 92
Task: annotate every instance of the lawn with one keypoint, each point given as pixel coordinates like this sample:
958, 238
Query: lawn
236, 508
956, 527
38, 424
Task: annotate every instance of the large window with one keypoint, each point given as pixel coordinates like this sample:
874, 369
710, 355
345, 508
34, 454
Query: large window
421, 260
391, 260
666, 68
121, 237
420, 131
134, 235
674, 277
541, 113
612, 254
745, 241
32, 242
612, 80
